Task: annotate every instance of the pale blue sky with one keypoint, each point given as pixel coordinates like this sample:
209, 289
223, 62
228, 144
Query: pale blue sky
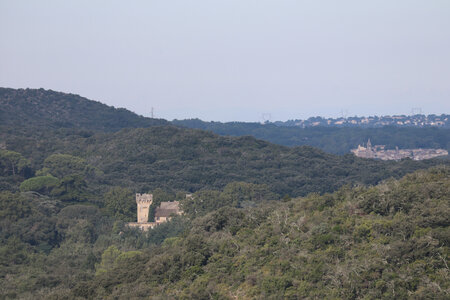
234, 59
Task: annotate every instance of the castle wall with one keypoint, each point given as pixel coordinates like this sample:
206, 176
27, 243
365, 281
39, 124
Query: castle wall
142, 212
161, 219
142, 226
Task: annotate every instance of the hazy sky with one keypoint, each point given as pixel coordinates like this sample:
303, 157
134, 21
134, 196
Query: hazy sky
234, 59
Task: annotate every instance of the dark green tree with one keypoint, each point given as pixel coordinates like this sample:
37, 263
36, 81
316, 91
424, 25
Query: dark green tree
120, 203
71, 188
13, 163
61, 165
41, 184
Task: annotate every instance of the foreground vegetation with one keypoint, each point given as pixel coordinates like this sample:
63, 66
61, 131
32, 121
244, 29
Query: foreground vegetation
388, 241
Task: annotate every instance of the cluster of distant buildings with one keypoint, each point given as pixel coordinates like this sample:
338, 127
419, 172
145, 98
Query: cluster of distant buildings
375, 121
379, 152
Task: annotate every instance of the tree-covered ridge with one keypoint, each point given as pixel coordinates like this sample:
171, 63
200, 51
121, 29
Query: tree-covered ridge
330, 139
47, 108
32, 108
384, 242
176, 159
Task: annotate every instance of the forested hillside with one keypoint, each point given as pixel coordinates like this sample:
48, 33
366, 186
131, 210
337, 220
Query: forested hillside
189, 160
264, 220
50, 109
388, 241
338, 140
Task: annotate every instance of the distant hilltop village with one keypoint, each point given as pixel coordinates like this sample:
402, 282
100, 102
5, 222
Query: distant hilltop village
163, 213
399, 121
378, 152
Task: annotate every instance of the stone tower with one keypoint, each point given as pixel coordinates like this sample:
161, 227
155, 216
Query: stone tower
369, 145
143, 204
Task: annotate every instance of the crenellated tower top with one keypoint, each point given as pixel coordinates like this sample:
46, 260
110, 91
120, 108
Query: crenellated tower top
144, 198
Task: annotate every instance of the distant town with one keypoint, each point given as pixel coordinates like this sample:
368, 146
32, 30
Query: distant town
379, 152
373, 121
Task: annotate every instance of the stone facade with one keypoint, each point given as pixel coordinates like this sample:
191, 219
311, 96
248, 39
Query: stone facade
143, 202
378, 152
163, 213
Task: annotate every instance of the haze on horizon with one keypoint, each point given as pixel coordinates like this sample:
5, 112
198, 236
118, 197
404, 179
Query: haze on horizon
234, 60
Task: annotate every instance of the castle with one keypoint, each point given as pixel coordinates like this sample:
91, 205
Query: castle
379, 152
163, 213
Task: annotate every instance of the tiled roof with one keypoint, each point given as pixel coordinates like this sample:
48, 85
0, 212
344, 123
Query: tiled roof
170, 205
166, 209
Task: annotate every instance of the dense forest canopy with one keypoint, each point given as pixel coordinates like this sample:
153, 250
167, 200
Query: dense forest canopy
189, 160
389, 241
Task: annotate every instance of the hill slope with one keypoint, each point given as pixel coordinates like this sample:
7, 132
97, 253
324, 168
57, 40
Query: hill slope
46, 108
189, 160
389, 241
